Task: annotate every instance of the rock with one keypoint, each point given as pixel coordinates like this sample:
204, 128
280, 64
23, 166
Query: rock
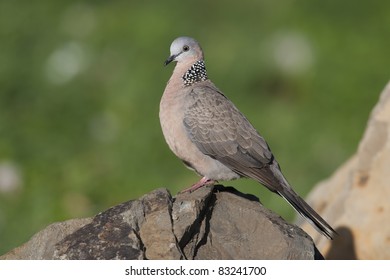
241, 228
42, 245
355, 199
211, 223
138, 229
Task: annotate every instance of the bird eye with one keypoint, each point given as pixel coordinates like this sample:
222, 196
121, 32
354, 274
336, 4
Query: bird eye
186, 48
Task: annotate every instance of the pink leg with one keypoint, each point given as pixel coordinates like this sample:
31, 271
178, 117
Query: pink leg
204, 182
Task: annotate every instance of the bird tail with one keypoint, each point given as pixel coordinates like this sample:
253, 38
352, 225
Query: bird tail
304, 209
271, 176
307, 212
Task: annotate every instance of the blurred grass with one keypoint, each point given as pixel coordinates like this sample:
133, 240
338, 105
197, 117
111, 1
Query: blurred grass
80, 84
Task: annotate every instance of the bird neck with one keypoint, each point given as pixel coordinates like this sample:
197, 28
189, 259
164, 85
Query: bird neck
196, 73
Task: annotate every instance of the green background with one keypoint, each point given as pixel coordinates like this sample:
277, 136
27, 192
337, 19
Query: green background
81, 81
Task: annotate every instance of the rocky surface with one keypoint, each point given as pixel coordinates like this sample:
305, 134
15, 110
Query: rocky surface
42, 245
211, 223
355, 199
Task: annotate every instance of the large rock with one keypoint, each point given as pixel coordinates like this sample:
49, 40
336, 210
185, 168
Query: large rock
355, 199
219, 223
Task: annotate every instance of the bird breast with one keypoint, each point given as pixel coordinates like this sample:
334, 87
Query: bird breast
172, 110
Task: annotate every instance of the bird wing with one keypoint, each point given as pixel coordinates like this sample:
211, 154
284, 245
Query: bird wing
222, 132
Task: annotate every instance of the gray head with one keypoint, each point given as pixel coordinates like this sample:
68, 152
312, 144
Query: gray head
185, 49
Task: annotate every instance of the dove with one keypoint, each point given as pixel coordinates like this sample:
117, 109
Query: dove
211, 136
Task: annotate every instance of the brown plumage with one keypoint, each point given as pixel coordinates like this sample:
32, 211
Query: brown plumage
204, 129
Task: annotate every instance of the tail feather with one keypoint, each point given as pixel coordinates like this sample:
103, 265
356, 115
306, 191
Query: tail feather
271, 176
306, 211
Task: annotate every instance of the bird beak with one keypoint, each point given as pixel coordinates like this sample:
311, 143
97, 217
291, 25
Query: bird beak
169, 60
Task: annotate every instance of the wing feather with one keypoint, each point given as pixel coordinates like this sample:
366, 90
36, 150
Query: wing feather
220, 131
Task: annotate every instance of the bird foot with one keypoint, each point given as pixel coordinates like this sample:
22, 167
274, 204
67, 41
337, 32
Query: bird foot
204, 182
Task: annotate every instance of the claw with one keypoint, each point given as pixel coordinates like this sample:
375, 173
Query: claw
204, 182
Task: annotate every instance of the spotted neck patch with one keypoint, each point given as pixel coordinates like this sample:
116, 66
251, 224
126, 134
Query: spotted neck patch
196, 73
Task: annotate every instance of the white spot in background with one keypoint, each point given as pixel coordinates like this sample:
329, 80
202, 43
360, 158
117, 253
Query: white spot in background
292, 53
10, 177
65, 63
104, 127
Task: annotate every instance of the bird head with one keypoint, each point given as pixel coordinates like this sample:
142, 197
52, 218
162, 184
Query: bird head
185, 49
